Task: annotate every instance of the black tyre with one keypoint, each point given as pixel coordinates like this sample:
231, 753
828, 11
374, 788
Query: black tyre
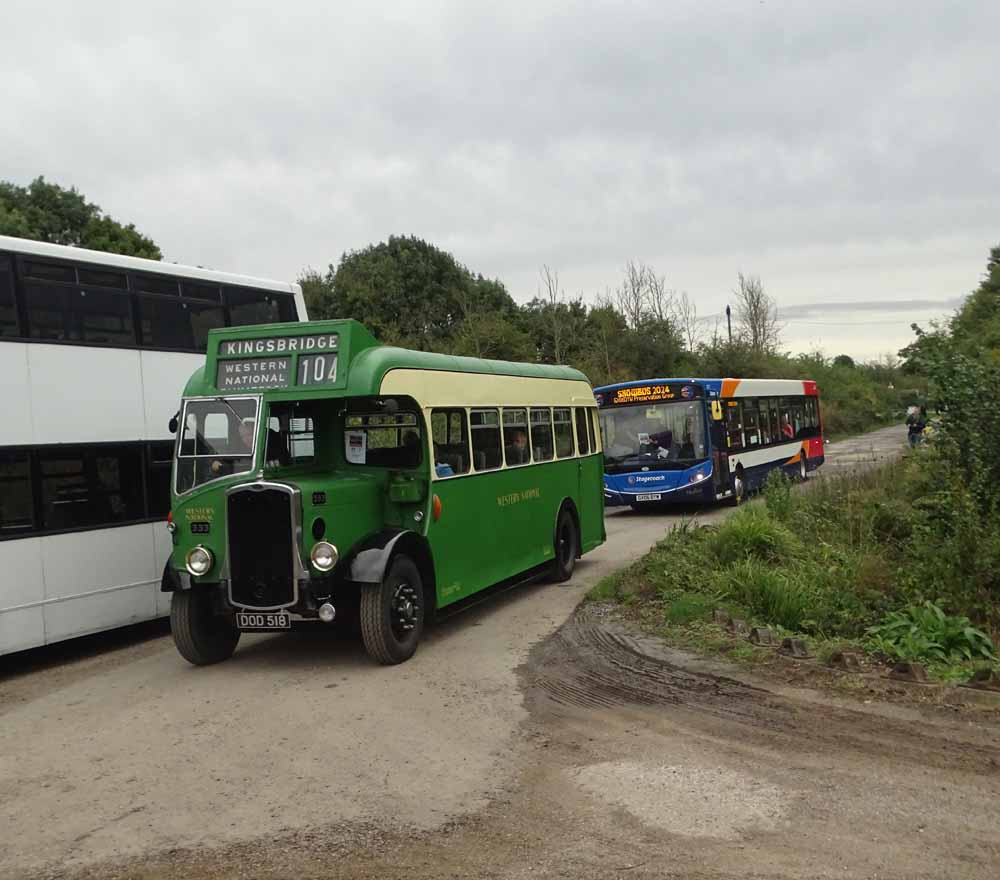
392, 613
202, 637
803, 468
565, 547
739, 489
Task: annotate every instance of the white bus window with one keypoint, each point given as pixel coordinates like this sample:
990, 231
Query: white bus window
562, 422
248, 307
159, 455
515, 437
174, 323
8, 310
103, 317
16, 505
542, 446
484, 429
88, 487
592, 427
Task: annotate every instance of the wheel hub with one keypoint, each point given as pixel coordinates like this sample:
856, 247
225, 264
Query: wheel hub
405, 608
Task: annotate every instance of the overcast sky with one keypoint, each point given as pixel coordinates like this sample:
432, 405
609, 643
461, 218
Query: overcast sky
845, 152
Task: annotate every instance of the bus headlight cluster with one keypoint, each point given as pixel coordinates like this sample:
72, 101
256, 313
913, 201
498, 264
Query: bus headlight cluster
199, 561
324, 555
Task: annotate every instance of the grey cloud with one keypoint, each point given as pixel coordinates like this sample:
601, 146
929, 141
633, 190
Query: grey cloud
831, 147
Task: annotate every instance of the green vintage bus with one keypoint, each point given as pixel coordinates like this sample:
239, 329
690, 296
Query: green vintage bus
318, 475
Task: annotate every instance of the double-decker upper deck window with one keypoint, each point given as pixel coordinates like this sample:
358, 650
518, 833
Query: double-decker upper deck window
541, 434
8, 307
484, 428
175, 323
562, 421
248, 306
383, 439
70, 314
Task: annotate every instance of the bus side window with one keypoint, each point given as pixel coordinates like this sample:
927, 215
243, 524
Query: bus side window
451, 442
541, 434
734, 425
751, 413
765, 423
563, 423
798, 417
591, 430
772, 405
484, 427
581, 431
515, 437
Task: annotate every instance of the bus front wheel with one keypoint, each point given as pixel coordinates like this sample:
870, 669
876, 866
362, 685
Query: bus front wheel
564, 547
202, 637
392, 613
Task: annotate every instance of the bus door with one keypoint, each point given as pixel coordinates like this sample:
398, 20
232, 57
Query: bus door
720, 449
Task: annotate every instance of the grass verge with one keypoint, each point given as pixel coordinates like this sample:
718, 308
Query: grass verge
887, 563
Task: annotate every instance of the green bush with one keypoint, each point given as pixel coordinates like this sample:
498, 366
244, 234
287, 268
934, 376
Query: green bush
753, 534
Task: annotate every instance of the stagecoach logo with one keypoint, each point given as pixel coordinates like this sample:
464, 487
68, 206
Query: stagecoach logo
280, 345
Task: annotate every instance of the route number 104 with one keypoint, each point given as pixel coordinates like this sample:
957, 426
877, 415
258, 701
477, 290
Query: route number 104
317, 369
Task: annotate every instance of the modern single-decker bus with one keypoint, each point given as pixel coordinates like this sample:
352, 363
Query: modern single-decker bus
671, 440
319, 475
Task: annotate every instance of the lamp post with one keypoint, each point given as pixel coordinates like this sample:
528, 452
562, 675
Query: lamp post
729, 323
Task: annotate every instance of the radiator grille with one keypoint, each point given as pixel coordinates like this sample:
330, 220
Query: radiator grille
261, 571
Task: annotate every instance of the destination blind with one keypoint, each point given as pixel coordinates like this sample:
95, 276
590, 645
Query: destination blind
317, 364
652, 393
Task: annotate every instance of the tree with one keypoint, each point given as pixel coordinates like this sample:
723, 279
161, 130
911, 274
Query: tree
553, 298
47, 212
756, 316
843, 360
687, 318
410, 293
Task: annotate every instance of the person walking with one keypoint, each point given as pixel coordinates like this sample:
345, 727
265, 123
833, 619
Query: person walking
916, 421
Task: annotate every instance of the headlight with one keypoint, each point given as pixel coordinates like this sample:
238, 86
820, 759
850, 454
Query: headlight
324, 555
199, 561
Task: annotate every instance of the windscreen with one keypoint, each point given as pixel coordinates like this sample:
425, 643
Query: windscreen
660, 436
217, 439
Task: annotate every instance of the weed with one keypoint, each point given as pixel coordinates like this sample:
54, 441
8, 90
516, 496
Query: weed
753, 534
925, 632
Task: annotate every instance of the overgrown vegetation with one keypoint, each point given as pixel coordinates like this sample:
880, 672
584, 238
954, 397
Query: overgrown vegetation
903, 560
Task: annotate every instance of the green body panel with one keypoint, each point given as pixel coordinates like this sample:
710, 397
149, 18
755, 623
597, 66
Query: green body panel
493, 525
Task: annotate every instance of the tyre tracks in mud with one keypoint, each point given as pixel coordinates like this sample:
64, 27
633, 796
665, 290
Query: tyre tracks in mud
592, 663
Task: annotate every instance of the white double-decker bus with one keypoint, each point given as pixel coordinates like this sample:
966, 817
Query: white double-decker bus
94, 351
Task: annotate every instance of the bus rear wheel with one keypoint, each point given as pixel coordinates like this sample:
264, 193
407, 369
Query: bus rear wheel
803, 468
564, 547
202, 637
392, 613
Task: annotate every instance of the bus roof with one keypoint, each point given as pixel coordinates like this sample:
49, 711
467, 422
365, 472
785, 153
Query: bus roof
728, 387
362, 362
139, 264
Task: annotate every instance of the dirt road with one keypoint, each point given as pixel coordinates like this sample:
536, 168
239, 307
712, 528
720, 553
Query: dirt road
521, 740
